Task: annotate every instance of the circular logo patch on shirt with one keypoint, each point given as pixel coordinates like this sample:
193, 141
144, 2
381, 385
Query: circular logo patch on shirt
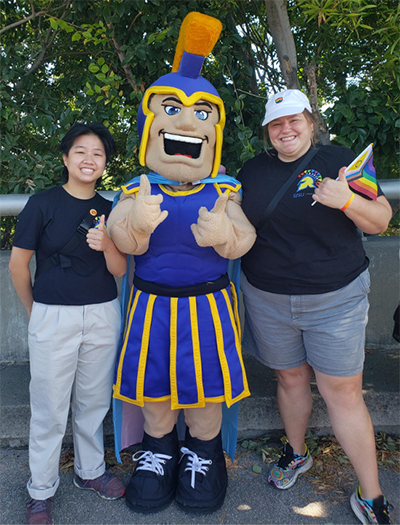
93, 212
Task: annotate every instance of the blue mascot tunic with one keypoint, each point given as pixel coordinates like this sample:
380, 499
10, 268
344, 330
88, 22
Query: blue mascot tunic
180, 343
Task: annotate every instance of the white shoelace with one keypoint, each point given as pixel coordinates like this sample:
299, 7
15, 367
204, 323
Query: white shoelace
152, 462
195, 464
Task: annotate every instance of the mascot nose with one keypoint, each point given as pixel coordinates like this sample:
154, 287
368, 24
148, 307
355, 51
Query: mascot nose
186, 119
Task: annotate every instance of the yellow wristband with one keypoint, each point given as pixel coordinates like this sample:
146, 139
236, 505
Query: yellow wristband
348, 202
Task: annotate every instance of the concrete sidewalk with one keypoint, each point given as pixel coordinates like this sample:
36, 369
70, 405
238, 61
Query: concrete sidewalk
249, 499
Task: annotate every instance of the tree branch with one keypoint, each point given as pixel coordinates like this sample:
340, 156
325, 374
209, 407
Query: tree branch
131, 25
23, 21
40, 58
48, 42
121, 55
289, 73
126, 67
31, 16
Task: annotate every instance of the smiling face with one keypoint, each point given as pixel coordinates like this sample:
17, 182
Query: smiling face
85, 161
181, 144
291, 136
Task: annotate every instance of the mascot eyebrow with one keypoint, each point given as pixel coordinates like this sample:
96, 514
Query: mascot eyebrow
175, 99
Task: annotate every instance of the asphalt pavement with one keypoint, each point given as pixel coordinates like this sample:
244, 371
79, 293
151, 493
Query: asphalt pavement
249, 499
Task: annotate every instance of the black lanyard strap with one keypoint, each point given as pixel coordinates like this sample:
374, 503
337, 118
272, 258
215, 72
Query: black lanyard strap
277, 197
61, 257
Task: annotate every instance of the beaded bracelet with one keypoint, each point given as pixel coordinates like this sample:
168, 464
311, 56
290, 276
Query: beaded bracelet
348, 202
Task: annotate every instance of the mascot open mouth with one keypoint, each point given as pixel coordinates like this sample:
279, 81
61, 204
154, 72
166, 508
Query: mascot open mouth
182, 145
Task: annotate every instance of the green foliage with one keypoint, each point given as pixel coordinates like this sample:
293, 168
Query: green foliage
349, 39
366, 116
355, 45
7, 228
64, 61
87, 61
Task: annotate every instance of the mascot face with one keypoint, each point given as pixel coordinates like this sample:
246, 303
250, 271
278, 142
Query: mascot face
181, 116
182, 138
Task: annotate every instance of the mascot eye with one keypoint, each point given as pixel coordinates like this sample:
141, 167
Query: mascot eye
171, 110
201, 114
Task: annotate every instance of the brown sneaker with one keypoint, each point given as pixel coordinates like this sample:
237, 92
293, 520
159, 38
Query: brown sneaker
107, 485
39, 512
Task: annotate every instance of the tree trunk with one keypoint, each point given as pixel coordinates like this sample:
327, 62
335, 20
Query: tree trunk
322, 132
279, 27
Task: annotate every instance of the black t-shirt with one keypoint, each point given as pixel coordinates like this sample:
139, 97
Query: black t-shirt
302, 249
45, 225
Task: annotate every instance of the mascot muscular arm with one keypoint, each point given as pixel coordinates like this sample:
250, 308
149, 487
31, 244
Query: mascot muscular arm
181, 342
135, 218
224, 227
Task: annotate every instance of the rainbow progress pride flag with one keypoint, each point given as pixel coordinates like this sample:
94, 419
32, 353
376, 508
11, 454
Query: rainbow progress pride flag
361, 174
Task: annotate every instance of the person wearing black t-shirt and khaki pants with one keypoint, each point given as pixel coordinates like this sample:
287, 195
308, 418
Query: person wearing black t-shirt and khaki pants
305, 284
74, 321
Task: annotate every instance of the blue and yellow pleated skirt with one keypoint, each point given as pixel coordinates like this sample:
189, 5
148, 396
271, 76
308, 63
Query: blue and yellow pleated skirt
185, 349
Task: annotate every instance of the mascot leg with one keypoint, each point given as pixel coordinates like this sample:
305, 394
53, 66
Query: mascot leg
203, 477
153, 484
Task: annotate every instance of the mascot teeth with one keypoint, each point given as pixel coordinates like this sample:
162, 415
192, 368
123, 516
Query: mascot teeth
182, 138
182, 145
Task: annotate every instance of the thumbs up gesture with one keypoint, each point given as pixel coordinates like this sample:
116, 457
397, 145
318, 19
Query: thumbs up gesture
333, 193
214, 227
145, 215
97, 238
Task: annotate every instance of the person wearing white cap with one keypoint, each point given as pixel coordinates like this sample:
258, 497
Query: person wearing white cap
305, 284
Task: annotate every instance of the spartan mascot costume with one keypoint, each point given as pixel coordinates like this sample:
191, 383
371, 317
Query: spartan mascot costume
181, 343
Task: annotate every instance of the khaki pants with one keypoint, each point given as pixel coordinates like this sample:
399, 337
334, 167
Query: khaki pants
72, 358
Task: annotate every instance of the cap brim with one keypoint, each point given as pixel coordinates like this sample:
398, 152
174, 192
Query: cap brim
283, 112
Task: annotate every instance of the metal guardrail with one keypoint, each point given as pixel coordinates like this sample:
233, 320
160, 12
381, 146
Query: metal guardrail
12, 204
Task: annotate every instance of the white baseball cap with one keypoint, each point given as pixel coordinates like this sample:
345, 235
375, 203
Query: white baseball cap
285, 103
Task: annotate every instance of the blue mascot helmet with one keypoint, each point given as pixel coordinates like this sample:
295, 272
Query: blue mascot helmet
197, 37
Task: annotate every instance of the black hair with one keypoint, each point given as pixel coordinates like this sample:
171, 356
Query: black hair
79, 129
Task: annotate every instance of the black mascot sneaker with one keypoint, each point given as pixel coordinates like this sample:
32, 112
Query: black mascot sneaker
203, 478
152, 486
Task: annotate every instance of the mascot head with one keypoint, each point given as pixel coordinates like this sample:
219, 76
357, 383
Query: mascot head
181, 116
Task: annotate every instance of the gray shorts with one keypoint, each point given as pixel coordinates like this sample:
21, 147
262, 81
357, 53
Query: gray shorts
325, 330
